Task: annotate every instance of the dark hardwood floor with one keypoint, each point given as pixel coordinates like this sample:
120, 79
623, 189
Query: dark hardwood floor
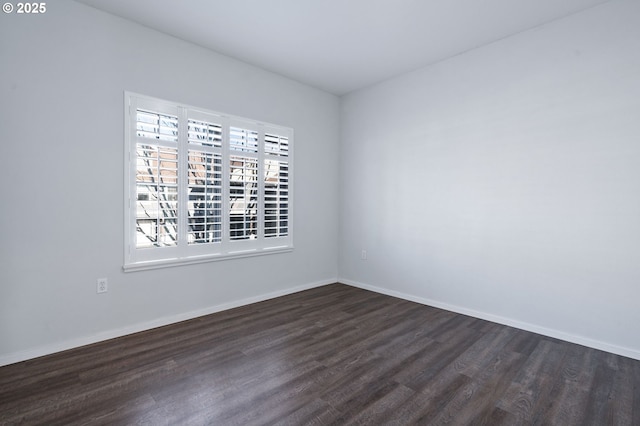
330, 355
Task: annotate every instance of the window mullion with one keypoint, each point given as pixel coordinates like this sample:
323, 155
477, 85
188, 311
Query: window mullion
183, 172
226, 191
261, 174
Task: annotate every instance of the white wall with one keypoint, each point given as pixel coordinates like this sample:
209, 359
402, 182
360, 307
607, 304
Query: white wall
62, 78
505, 182
515, 197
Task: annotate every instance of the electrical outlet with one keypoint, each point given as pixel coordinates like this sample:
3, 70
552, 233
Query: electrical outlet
363, 255
103, 285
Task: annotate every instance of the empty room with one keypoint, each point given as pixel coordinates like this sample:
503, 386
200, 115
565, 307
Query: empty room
320, 212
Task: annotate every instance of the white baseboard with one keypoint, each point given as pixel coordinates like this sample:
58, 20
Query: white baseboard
12, 358
557, 334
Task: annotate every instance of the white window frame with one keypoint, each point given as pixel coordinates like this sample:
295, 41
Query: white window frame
183, 252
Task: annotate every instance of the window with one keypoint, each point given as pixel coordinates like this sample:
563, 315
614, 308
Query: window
203, 186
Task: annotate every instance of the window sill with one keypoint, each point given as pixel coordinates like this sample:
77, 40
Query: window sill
169, 263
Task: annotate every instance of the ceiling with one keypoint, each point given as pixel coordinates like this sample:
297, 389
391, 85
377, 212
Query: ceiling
341, 45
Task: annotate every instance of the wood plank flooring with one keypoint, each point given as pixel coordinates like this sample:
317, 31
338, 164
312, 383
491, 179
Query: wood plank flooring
331, 355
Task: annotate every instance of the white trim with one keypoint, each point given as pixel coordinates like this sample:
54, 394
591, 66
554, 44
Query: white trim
549, 332
183, 253
14, 357
181, 261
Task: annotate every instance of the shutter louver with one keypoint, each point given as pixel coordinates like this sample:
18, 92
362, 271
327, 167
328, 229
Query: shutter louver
154, 125
205, 134
276, 145
242, 140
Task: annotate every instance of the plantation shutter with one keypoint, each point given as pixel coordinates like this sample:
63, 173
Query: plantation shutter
204, 182
203, 186
156, 179
243, 184
276, 186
